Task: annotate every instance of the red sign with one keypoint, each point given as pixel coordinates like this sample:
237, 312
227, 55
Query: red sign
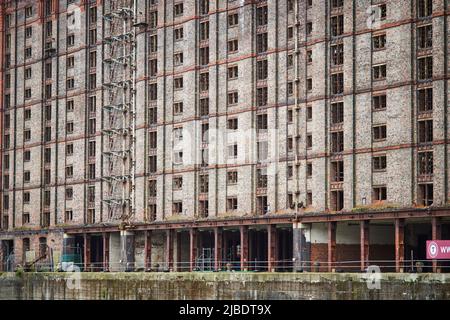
438, 250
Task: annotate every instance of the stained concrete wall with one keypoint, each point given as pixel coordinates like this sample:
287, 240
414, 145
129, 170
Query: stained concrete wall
348, 233
204, 286
114, 251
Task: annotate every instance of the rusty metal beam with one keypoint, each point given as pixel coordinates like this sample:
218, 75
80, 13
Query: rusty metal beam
169, 249
87, 251
399, 244
148, 250
177, 250
272, 247
105, 251
332, 226
218, 244
192, 248
364, 242
279, 219
225, 246
244, 247
436, 234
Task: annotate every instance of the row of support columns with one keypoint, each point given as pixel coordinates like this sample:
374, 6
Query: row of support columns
301, 247
399, 225
126, 251
69, 249
218, 248
364, 244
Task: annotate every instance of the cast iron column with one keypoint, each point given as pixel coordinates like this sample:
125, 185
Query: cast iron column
271, 247
331, 245
399, 244
364, 233
244, 247
169, 250
218, 239
192, 248
148, 250
105, 251
436, 235
87, 251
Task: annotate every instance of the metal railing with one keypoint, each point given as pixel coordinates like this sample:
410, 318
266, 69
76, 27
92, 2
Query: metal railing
263, 266
209, 265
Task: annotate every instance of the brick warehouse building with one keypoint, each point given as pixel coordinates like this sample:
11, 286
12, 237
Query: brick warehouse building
252, 135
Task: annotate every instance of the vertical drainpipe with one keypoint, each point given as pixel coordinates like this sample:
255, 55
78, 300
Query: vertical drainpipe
445, 44
15, 119
354, 103
306, 102
132, 160
164, 111
102, 101
2, 101
413, 113
225, 139
371, 106
86, 92
166, 123
274, 207
327, 98
296, 111
43, 97
145, 125
56, 15
197, 120
216, 156
253, 112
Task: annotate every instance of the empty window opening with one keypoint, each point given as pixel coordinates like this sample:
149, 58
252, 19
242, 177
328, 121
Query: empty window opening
337, 171
337, 25
337, 200
379, 194
425, 99
425, 164
425, 68
337, 113
261, 205
425, 196
425, 131
379, 133
337, 141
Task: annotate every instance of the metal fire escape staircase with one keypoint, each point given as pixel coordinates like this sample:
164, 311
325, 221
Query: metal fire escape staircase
119, 110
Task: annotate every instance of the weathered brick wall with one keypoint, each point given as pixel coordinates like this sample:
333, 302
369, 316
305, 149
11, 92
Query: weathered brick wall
400, 176
54, 241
